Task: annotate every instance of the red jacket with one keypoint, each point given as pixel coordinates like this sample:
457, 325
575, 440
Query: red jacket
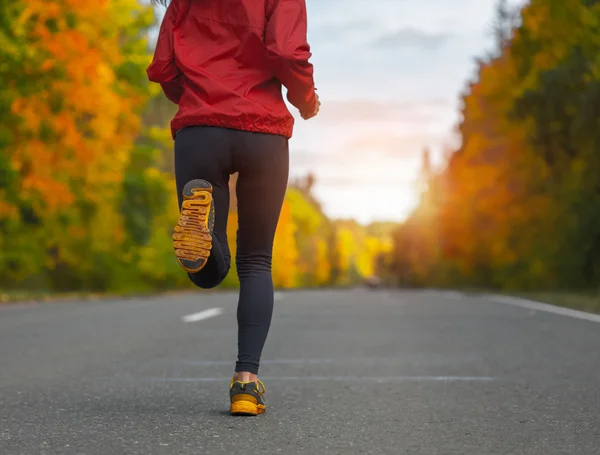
223, 63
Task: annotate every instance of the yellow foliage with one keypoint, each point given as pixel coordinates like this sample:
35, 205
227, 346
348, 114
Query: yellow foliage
323, 265
285, 254
302, 254
345, 249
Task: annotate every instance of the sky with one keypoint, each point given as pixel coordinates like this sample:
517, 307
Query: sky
389, 74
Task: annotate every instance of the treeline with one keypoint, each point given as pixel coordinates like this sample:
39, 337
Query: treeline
87, 197
517, 205
313, 251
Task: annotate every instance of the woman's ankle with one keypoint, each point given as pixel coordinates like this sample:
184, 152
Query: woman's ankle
244, 376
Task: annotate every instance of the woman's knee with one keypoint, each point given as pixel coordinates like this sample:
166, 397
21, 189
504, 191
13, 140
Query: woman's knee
209, 280
204, 282
247, 263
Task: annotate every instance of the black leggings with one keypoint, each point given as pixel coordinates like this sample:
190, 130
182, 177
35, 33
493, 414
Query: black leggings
262, 161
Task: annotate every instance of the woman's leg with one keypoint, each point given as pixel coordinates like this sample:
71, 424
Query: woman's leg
263, 164
206, 153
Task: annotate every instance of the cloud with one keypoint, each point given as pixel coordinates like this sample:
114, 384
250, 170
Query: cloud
367, 150
304, 158
338, 28
359, 182
342, 35
393, 146
410, 38
365, 110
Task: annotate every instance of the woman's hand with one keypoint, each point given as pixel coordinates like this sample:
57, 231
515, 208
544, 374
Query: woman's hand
314, 112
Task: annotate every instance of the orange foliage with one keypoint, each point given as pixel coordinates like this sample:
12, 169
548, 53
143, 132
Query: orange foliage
88, 136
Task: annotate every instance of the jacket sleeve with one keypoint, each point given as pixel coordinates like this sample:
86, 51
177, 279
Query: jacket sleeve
289, 52
163, 69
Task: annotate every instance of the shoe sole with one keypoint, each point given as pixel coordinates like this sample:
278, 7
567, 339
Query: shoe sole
193, 243
246, 408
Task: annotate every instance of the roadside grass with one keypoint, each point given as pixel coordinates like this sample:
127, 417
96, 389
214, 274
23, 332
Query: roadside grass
589, 302
26, 296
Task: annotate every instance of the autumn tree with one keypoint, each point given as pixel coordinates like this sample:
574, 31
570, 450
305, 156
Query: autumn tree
515, 206
70, 84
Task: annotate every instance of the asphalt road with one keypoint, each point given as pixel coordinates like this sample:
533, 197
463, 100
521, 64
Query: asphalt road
347, 372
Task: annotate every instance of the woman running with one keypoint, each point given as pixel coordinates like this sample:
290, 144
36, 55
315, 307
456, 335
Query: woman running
223, 62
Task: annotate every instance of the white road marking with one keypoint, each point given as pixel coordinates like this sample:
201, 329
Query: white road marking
378, 379
268, 362
538, 306
196, 317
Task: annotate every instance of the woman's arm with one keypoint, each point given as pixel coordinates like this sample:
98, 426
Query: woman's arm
289, 52
163, 69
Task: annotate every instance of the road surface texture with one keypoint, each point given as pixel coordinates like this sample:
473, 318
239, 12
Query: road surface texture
347, 372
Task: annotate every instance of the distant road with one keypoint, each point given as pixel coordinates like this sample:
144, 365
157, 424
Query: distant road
347, 372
